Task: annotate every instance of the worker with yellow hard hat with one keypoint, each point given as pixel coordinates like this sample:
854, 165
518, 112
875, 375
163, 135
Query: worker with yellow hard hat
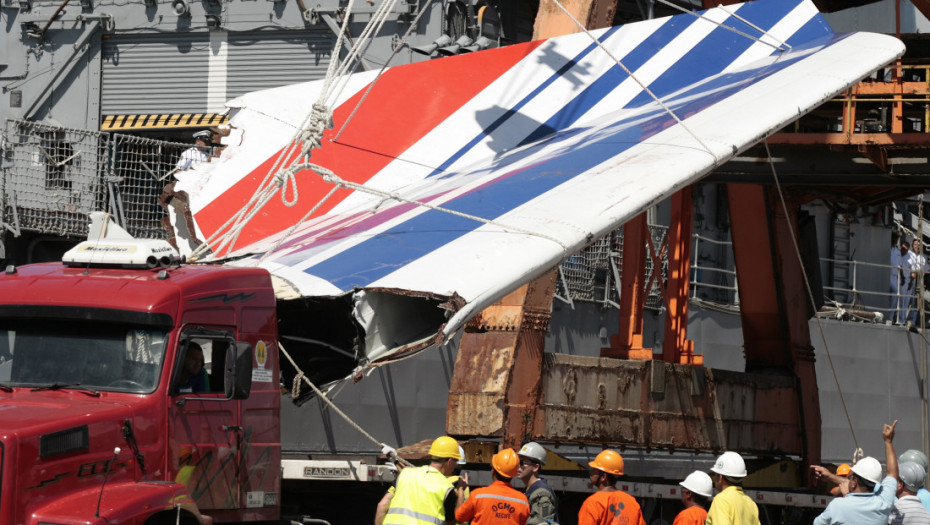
425, 494
498, 503
608, 505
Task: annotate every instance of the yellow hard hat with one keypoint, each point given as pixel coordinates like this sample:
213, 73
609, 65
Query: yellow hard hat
445, 447
843, 469
506, 462
609, 461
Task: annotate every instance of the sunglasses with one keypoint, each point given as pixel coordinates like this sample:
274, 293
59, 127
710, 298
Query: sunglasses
526, 463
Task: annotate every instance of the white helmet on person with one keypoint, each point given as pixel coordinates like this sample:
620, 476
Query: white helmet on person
730, 464
461, 460
912, 475
204, 134
699, 483
869, 469
534, 451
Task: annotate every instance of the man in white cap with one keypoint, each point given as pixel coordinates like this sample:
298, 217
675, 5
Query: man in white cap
730, 505
865, 504
696, 492
197, 153
908, 510
543, 503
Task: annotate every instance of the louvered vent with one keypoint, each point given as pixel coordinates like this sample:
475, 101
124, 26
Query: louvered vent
65, 441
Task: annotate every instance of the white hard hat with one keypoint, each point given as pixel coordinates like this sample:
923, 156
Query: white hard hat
461, 460
533, 451
699, 483
730, 464
869, 469
912, 475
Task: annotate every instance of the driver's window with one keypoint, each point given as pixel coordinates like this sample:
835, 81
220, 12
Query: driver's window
201, 367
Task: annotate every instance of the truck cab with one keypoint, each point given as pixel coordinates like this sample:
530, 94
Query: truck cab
137, 390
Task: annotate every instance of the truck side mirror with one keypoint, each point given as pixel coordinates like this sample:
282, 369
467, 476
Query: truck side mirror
238, 379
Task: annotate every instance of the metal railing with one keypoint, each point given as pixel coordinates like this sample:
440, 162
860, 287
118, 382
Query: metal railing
52, 177
593, 275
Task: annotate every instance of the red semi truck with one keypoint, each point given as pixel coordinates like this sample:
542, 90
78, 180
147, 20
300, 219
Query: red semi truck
95, 423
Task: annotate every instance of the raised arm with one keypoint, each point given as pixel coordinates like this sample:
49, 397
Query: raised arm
891, 460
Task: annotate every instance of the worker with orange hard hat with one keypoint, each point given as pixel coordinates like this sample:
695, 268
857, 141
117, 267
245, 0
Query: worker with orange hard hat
499, 502
842, 471
608, 505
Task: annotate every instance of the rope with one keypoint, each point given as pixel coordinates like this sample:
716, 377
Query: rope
754, 26
733, 29
322, 396
403, 40
330, 177
810, 294
600, 45
309, 135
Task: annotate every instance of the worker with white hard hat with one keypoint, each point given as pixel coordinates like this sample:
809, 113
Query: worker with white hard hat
731, 506
696, 492
543, 503
908, 510
921, 459
871, 498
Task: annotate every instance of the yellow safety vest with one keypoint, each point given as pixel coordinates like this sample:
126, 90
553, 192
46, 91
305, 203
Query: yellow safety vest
418, 498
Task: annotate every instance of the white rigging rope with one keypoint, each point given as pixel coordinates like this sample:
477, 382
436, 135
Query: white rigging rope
295, 392
643, 86
733, 29
329, 177
310, 133
810, 295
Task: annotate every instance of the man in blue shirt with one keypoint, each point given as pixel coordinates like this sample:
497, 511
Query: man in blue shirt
866, 505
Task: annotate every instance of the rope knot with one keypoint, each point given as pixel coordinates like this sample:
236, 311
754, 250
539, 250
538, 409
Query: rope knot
295, 386
321, 119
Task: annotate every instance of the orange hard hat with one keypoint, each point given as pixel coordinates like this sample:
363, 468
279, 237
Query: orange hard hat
506, 462
609, 461
843, 469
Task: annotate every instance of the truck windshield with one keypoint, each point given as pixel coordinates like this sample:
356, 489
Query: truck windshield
82, 355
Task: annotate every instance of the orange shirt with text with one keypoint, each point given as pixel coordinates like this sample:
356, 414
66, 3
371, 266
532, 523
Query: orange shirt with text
610, 508
499, 503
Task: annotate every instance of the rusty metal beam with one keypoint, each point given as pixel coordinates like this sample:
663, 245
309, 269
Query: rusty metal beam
552, 21
664, 405
774, 301
495, 383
